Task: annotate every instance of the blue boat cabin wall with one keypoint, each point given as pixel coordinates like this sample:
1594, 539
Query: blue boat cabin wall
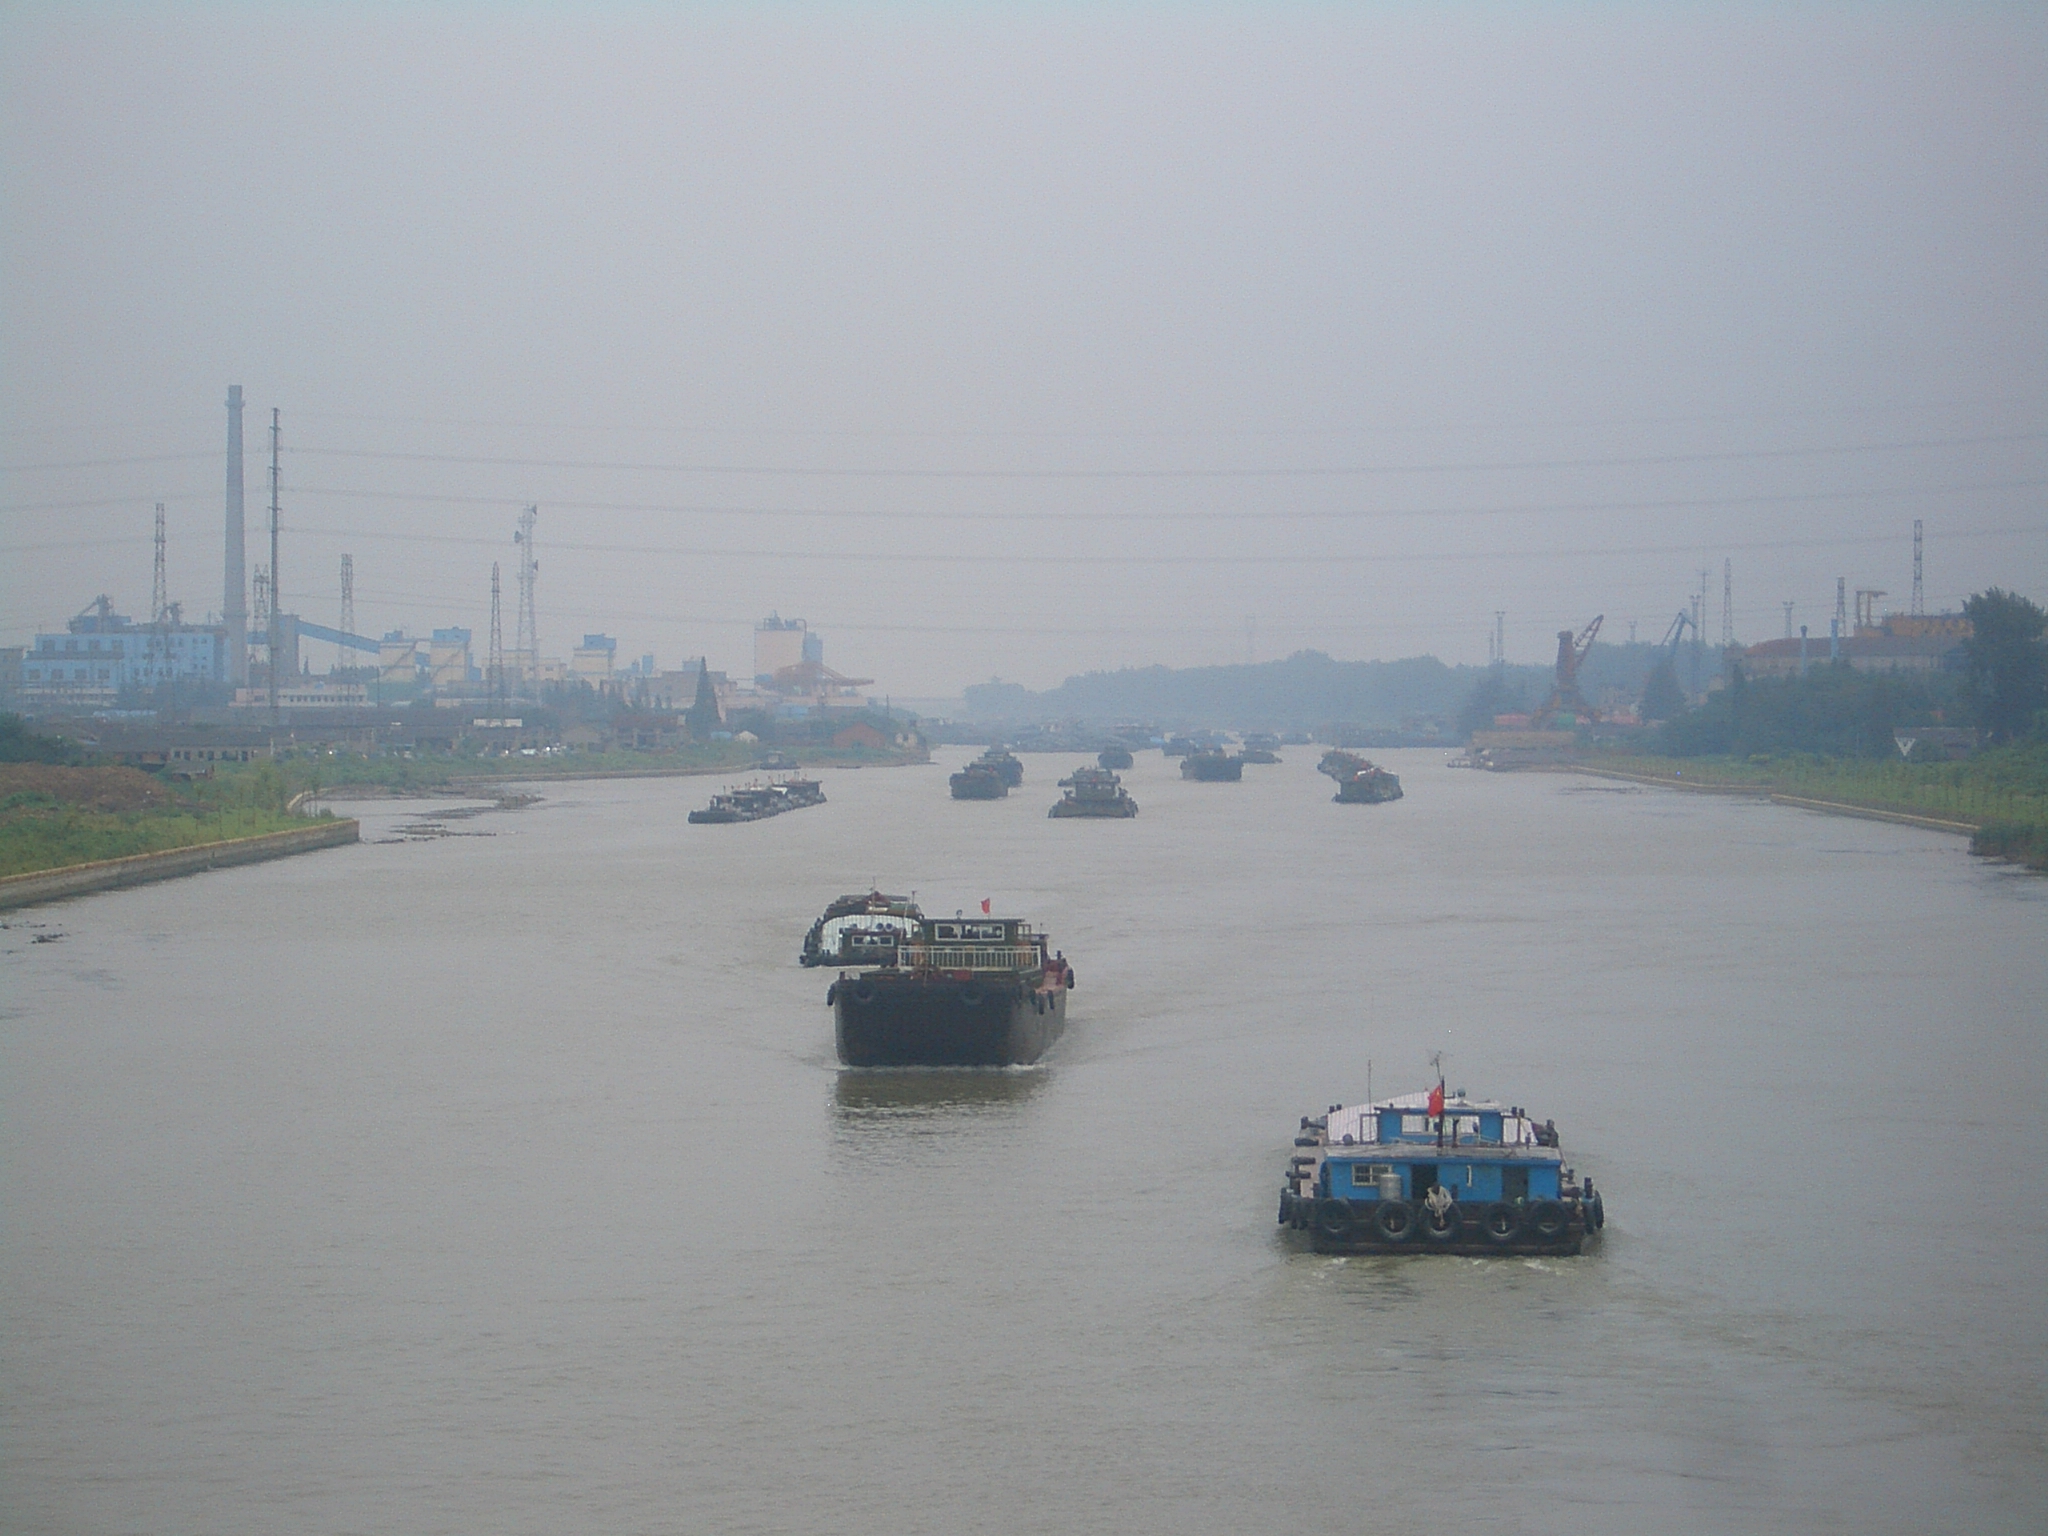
1467, 1182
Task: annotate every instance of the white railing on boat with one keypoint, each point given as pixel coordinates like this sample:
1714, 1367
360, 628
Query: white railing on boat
976, 957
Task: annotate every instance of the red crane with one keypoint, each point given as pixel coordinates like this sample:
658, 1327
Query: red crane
1565, 698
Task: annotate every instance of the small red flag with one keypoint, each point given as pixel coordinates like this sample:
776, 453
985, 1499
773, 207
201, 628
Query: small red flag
1436, 1099
984, 905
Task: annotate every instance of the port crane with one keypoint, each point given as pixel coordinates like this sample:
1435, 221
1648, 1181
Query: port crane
1565, 698
1662, 686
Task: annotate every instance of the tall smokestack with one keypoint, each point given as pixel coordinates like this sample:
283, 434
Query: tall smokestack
234, 608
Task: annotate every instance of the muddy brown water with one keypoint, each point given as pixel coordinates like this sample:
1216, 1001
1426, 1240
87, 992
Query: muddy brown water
508, 1182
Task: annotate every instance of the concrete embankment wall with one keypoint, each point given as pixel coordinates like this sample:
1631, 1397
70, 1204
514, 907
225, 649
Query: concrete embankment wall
1803, 802
141, 868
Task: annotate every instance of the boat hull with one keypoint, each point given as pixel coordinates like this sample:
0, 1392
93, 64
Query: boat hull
904, 1021
1364, 791
1354, 1233
1100, 809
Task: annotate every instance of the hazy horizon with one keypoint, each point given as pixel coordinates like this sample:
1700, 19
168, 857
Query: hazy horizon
1030, 342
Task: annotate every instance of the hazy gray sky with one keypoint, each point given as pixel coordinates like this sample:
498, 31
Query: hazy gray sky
1026, 340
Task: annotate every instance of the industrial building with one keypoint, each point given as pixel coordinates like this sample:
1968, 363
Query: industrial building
103, 652
1899, 642
253, 657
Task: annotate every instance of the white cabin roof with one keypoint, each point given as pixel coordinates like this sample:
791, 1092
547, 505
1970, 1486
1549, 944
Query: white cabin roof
1359, 1124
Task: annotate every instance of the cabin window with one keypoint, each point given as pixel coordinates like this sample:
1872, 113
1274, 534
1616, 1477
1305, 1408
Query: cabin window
991, 933
1414, 1125
946, 930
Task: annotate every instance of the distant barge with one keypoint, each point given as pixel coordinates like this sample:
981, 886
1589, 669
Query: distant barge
1212, 766
1359, 782
757, 802
1093, 792
990, 776
1436, 1173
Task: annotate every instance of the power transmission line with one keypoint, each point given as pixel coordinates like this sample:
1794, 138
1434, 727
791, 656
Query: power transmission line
1275, 472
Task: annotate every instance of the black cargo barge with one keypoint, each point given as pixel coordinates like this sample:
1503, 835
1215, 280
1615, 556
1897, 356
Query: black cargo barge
956, 992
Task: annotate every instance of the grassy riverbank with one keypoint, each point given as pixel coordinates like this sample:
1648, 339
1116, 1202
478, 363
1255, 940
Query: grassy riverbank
52, 815
2003, 793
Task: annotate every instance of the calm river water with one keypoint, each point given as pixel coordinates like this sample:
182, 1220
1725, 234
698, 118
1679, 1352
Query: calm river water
507, 1182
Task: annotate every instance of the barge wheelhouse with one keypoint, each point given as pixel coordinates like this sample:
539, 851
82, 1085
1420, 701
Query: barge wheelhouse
860, 930
1436, 1173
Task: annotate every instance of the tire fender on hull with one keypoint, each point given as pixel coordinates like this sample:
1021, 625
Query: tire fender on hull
1393, 1221
1334, 1219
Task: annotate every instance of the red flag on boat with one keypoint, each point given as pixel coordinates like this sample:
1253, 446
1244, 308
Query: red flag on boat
1436, 1099
984, 906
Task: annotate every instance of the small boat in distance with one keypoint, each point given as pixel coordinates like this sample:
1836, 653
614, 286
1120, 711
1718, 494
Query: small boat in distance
1212, 765
757, 802
978, 781
1358, 781
1093, 792
1115, 755
1436, 1172
1003, 762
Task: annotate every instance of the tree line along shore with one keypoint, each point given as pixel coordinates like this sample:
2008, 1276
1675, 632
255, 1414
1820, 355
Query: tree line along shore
1885, 741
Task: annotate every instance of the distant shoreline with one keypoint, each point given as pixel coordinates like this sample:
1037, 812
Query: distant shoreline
487, 784
1777, 797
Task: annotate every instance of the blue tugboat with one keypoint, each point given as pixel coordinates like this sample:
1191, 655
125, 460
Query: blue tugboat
1436, 1173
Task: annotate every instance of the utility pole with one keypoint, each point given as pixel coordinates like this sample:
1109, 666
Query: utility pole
1699, 612
525, 632
1919, 597
276, 591
159, 609
1841, 606
234, 613
1500, 637
496, 665
348, 602
159, 599
1788, 620
1727, 606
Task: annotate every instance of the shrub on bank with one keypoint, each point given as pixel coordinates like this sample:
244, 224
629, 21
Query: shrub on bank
2022, 843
